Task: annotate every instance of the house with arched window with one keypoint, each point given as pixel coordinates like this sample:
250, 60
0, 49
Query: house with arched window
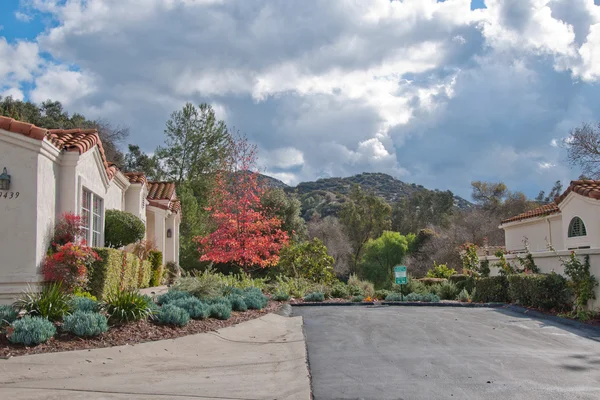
551, 232
571, 222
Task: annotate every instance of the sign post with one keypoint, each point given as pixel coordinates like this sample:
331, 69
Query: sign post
400, 275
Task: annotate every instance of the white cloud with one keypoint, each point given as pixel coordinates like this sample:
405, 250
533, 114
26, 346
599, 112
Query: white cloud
21, 16
61, 84
426, 90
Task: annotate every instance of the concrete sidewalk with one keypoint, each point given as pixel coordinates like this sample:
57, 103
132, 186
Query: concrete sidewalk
259, 359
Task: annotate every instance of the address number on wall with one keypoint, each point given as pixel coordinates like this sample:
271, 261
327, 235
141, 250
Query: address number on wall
9, 195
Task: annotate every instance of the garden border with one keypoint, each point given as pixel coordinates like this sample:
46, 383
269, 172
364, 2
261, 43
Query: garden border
400, 304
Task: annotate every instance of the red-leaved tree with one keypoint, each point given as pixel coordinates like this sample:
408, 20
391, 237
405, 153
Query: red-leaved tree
245, 235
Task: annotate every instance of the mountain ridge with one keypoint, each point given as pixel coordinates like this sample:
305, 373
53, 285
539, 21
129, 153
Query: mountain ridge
383, 185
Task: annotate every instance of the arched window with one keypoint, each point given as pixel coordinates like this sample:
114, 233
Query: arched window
576, 227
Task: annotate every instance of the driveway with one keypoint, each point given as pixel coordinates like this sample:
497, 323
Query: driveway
255, 360
433, 353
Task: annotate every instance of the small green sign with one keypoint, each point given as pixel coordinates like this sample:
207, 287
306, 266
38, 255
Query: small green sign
400, 275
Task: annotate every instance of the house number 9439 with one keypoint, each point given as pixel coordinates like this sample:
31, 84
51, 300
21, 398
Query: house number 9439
9, 195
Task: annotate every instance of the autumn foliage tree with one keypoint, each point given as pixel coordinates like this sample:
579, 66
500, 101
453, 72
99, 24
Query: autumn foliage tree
245, 234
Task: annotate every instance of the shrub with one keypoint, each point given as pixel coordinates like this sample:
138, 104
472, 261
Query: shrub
582, 281
382, 294
412, 286
194, 307
128, 306
116, 270
237, 302
413, 297
78, 292
172, 295
156, 261
357, 299
255, 301
85, 323
491, 289
463, 296
314, 297
242, 281
430, 298
122, 228
458, 278
431, 281
362, 287
52, 303
434, 288
69, 228
440, 271
84, 304
394, 297
380, 255
340, 291
468, 283
69, 265
309, 260
547, 292
170, 314
172, 272
447, 291
220, 311
7, 314
296, 287
31, 331
144, 274
202, 285
280, 296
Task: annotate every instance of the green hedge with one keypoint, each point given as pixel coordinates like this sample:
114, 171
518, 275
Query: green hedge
545, 291
461, 281
116, 270
158, 269
144, 274
491, 289
122, 228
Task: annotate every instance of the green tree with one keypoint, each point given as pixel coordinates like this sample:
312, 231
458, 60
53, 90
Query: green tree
51, 115
308, 260
138, 161
422, 209
285, 207
122, 228
380, 256
364, 217
195, 143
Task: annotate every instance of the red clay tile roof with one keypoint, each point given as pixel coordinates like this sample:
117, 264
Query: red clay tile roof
546, 209
136, 177
161, 190
79, 140
174, 205
587, 188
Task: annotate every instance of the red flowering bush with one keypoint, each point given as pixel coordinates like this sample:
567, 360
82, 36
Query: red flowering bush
69, 228
69, 265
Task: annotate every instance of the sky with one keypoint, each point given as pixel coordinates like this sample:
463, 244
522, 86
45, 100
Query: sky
438, 93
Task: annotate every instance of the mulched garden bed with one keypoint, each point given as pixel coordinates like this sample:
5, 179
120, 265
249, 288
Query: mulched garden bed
132, 333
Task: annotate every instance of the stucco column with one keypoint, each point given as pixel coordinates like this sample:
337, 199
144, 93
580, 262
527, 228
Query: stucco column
170, 242
159, 232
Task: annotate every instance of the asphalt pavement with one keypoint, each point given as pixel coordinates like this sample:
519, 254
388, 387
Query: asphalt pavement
428, 353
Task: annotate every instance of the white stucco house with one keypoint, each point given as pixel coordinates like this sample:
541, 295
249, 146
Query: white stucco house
570, 223
47, 172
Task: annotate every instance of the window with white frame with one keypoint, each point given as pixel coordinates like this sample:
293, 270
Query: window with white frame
92, 211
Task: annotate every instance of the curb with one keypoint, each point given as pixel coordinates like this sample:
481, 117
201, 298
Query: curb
591, 329
402, 304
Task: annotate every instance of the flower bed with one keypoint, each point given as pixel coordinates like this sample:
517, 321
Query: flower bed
131, 333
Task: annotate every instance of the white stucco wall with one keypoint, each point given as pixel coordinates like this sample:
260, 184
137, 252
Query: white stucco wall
589, 211
47, 200
135, 200
539, 233
19, 242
